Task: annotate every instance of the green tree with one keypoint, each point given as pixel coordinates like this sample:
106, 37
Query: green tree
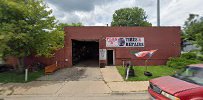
62, 25
193, 30
26, 26
130, 17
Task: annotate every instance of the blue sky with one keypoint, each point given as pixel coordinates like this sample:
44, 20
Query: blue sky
99, 12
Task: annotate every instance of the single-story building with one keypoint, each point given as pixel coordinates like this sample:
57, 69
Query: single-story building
114, 45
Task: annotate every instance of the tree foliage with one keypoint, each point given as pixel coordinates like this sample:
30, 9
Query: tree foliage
26, 26
193, 30
130, 17
62, 25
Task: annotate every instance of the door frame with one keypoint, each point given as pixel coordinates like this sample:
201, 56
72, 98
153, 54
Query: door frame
113, 55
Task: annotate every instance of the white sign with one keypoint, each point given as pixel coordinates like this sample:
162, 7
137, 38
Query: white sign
102, 54
124, 41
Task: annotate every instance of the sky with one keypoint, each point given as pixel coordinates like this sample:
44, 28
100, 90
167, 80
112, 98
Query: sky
99, 12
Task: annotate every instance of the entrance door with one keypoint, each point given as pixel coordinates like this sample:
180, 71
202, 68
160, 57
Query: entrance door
110, 57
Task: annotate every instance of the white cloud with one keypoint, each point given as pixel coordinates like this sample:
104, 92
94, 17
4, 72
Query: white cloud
178, 11
173, 12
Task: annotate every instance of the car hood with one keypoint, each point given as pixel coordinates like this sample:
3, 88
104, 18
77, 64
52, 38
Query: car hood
172, 85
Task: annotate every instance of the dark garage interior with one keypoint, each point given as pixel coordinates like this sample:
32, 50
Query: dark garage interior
85, 53
109, 57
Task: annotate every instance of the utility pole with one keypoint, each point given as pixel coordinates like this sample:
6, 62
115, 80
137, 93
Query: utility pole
158, 12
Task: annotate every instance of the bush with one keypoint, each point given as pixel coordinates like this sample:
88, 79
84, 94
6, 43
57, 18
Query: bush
200, 57
189, 55
181, 62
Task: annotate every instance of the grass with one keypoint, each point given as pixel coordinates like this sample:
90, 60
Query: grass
14, 77
157, 71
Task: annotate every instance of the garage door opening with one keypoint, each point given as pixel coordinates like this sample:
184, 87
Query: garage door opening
85, 53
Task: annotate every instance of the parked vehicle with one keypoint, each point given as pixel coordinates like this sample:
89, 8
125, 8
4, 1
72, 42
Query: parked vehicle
185, 85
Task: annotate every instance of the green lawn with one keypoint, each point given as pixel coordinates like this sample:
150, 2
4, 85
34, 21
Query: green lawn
157, 71
7, 77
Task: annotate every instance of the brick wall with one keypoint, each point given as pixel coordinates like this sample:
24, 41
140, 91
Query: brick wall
165, 39
58, 56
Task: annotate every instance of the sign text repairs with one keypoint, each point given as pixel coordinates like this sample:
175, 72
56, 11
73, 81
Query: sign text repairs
124, 41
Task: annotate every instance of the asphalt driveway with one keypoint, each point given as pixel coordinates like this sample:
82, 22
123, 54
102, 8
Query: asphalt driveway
75, 74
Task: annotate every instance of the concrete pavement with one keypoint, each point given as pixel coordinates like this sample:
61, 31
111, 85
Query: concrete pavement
92, 83
35, 87
56, 88
114, 96
128, 87
83, 88
110, 74
116, 83
71, 90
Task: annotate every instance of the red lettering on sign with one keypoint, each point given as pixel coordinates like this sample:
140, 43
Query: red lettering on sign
112, 40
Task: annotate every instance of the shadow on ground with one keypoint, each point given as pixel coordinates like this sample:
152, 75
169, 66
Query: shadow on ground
84, 71
50, 84
66, 74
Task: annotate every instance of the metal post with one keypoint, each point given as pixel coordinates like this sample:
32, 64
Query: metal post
26, 75
127, 74
158, 12
56, 63
123, 63
146, 63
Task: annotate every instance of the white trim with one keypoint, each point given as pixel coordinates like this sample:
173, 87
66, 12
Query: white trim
113, 56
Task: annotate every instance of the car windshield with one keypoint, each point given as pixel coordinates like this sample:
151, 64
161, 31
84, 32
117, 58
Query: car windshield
191, 74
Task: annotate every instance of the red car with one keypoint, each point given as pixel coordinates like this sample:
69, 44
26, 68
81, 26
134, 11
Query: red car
185, 85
